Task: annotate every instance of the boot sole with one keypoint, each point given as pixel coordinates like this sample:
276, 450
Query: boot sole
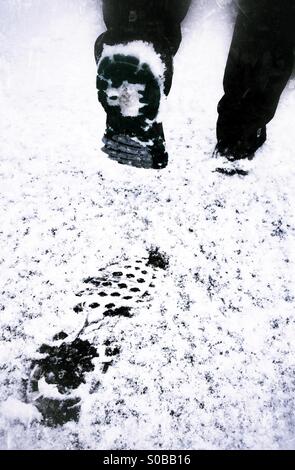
129, 93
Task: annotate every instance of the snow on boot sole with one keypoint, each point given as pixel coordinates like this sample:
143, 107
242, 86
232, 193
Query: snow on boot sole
130, 92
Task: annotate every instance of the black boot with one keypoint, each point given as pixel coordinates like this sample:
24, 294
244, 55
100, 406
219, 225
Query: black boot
241, 147
135, 69
130, 90
259, 65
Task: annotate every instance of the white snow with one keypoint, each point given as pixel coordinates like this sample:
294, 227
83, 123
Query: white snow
15, 411
127, 96
208, 361
142, 50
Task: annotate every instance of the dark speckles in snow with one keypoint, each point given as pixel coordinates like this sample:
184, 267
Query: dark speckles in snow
60, 336
208, 377
64, 366
102, 294
106, 366
93, 280
278, 230
84, 292
58, 412
275, 324
94, 305
112, 351
79, 294
108, 306
157, 259
107, 284
118, 274
79, 308
122, 286
119, 312
232, 171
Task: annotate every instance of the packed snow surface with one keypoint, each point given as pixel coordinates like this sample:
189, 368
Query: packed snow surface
171, 292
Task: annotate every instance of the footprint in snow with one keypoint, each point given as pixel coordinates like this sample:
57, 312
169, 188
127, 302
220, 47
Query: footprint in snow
62, 366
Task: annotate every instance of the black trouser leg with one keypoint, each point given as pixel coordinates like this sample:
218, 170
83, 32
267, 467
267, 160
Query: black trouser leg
142, 17
259, 65
154, 21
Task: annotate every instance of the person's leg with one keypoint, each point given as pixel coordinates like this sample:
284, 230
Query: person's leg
259, 65
140, 16
135, 66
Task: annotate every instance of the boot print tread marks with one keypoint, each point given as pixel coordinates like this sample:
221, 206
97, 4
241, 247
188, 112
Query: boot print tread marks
63, 365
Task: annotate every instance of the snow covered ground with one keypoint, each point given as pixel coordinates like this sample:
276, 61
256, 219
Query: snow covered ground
204, 360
